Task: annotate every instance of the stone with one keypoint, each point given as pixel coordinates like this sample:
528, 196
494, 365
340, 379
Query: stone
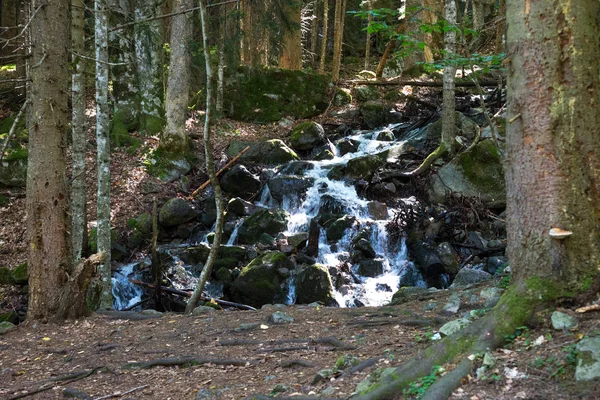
307, 135
6, 326
386, 136
151, 312
281, 318
143, 223
588, 359
491, 296
474, 174
365, 166
370, 267
72, 393
337, 229
324, 155
302, 258
171, 170
452, 327
496, 264
406, 294
241, 207
448, 258
269, 152
364, 93
298, 240
346, 146
20, 275
313, 284
202, 310
289, 186
260, 282
375, 113
240, 182
271, 222
364, 246
562, 321
410, 276
175, 211
468, 276
5, 276
209, 394
378, 210
476, 240
342, 97
13, 172
453, 304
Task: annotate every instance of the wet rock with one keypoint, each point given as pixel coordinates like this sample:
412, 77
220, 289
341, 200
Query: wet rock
432, 133
364, 167
336, 230
307, 135
386, 136
260, 281
263, 221
298, 168
202, 310
324, 155
426, 258
313, 283
238, 181
588, 359
241, 208
453, 327
281, 318
475, 174
289, 185
378, 210
564, 321
302, 258
346, 146
448, 258
370, 267
468, 276
410, 276
298, 241
269, 152
175, 211
495, 264
365, 248
6, 326
330, 205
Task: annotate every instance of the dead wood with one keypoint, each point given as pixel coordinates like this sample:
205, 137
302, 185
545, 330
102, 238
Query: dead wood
398, 321
326, 340
300, 362
419, 83
50, 383
283, 349
188, 360
361, 366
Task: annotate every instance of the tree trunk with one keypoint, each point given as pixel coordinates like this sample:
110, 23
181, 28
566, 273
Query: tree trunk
148, 51
255, 42
368, 42
314, 30
338, 38
50, 257
174, 138
553, 178
291, 56
210, 168
449, 117
324, 38
221, 65
103, 144
501, 28
78, 198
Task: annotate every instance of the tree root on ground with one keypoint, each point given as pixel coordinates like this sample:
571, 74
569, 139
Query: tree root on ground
188, 360
441, 150
330, 340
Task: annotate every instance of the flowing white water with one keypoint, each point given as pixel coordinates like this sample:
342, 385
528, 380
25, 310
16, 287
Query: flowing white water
125, 294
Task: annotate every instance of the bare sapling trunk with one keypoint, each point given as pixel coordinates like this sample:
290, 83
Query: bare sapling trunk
368, 42
221, 65
338, 38
210, 168
324, 38
314, 30
103, 145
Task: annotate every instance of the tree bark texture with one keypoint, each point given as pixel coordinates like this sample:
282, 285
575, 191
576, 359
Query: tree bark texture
338, 38
314, 29
78, 197
291, 53
148, 52
103, 156
212, 174
255, 42
553, 146
49, 244
369, 6
324, 38
449, 117
174, 137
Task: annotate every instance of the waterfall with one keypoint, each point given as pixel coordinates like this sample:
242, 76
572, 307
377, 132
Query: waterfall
126, 294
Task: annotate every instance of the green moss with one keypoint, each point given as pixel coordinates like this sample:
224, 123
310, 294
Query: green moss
20, 275
119, 131
482, 163
93, 239
16, 154
151, 124
4, 201
6, 276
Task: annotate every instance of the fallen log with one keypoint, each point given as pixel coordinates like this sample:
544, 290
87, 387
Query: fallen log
419, 83
188, 360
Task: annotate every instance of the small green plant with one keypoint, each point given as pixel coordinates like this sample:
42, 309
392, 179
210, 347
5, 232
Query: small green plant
521, 333
504, 282
417, 389
389, 354
424, 336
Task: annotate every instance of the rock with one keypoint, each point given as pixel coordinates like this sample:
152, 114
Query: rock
175, 211
241, 207
169, 170
448, 258
364, 246
330, 205
307, 135
267, 240
10, 316
238, 181
20, 275
325, 155
260, 282
588, 359
453, 304
476, 240
346, 146
342, 97
410, 276
202, 310
365, 93
495, 264
375, 113
337, 229
298, 168
452, 327
468, 276
302, 258
562, 321
72, 393
5, 276
474, 174
378, 210
143, 223
281, 318
150, 186
313, 283
13, 172
151, 312
263, 221
370, 267
364, 167
426, 258
432, 133
269, 152
289, 185
406, 294
298, 241
209, 394
386, 136
491, 296
6, 326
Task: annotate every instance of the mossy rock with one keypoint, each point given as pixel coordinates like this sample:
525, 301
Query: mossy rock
268, 152
168, 166
406, 294
307, 135
142, 223
342, 97
365, 93
266, 95
375, 113
175, 211
263, 221
223, 274
262, 282
337, 229
120, 128
10, 316
364, 167
20, 275
477, 173
313, 283
93, 239
6, 276
4, 201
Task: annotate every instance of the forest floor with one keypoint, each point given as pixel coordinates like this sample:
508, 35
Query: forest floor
242, 352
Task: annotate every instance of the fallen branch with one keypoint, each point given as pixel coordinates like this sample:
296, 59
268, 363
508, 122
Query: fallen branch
229, 164
120, 394
302, 363
282, 349
441, 150
68, 378
361, 366
593, 307
188, 360
326, 340
419, 83
404, 322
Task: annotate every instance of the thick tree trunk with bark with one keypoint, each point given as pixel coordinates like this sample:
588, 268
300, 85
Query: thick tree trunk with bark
174, 137
324, 38
78, 197
338, 38
255, 43
291, 55
369, 6
212, 173
103, 145
49, 243
449, 117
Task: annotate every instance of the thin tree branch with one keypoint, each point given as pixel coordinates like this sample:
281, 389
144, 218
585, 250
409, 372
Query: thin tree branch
96, 60
13, 128
6, 41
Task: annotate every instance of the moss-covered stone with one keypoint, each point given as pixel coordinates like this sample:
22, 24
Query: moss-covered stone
263, 221
313, 283
375, 113
336, 230
168, 166
20, 275
342, 97
6, 276
364, 167
120, 128
261, 282
175, 211
365, 93
307, 135
268, 152
266, 95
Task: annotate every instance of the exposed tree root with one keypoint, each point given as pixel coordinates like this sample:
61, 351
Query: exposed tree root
441, 150
187, 360
65, 379
326, 340
399, 321
300, 362
361, 366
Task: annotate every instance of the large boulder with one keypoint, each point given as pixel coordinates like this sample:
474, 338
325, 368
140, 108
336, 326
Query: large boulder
475, 174
375, 113
266, 221
313, 283
588, 359
176, 211
431, 134
307, 135
238, 181
268, 152
468, 276
364, 167
263, 280
370, 267
241, 208
289, 185
337, 229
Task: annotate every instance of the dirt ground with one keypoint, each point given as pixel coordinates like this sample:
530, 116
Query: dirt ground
244, 353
